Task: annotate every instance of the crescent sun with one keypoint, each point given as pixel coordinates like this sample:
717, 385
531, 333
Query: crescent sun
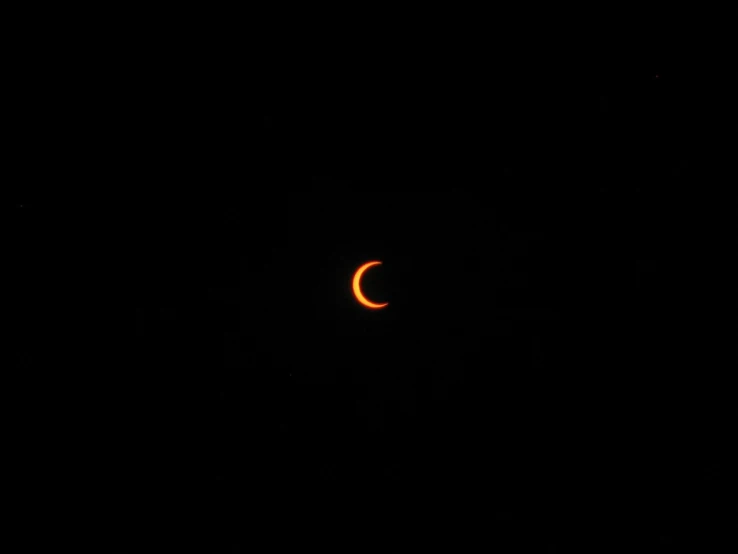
357, 287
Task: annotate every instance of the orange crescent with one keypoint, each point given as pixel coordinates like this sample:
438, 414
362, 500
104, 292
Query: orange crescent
357, 287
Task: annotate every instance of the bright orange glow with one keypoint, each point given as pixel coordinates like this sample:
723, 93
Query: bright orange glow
357, 287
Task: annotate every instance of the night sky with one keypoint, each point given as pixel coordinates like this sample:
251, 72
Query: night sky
547, 194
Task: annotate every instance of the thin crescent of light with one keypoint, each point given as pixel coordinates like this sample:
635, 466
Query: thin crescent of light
357, 287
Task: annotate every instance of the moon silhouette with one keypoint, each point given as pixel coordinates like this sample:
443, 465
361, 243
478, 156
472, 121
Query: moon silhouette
357, 287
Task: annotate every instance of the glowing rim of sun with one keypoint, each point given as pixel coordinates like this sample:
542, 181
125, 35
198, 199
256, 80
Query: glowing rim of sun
357, 287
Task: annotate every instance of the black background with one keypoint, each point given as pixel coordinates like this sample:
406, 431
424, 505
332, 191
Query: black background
547, 194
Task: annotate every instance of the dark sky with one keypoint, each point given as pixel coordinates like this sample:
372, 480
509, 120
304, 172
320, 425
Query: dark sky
552, 370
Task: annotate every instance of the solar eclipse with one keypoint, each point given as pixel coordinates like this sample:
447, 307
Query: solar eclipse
363, 300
